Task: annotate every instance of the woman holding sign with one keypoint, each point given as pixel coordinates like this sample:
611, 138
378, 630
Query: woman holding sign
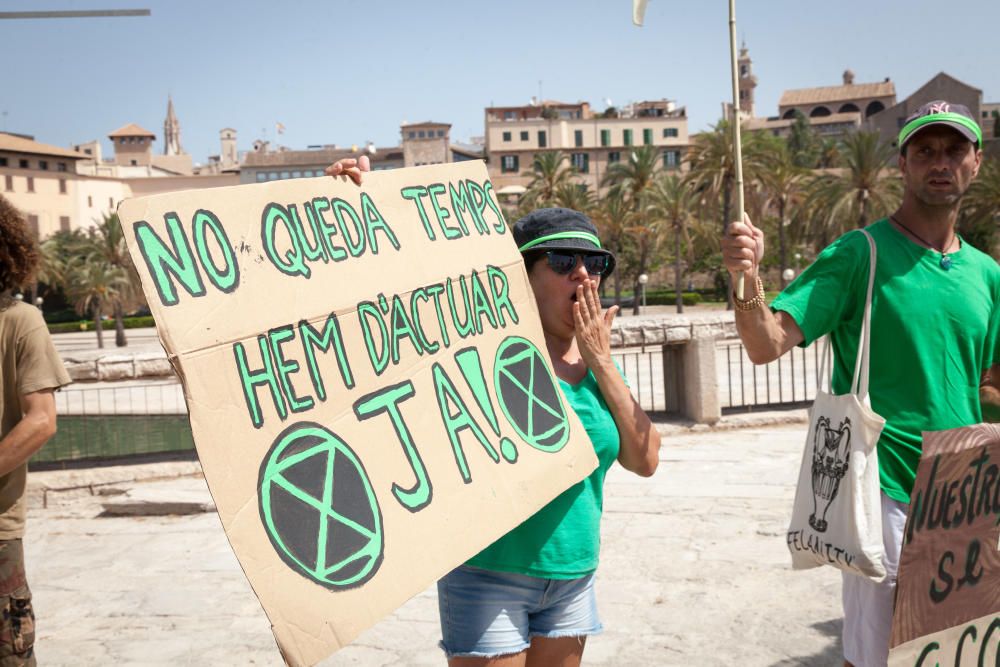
528, 599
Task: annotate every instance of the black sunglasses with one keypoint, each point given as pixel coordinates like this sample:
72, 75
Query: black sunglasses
564, 261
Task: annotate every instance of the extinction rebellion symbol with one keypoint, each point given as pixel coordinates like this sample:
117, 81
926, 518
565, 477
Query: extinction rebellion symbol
319, 509
317, 504
831, 456
529, 396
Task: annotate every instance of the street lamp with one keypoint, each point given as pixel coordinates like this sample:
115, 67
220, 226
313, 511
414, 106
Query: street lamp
38, 302
788, 274
643, 279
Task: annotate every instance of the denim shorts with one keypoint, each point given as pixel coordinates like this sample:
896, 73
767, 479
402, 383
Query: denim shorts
485, 613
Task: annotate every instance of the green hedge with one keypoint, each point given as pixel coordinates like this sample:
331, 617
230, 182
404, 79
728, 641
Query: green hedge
83, 437
670, 298
109, 325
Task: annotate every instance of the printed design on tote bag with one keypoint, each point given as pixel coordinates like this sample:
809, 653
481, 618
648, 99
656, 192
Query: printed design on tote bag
831, 457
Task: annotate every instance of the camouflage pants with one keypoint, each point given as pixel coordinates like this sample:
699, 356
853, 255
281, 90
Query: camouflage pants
17, 625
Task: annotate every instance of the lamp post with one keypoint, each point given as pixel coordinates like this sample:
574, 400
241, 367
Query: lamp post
787, 275
643, 279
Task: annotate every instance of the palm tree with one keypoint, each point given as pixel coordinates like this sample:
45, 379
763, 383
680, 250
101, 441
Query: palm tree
576, 196
861, 189
55, 255
671, 198
981, 207
783, 182
93, 287
549, 171
613, 217
628, 181
108, 246
713, 167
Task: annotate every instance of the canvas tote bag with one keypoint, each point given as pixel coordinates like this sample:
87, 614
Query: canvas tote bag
837, 517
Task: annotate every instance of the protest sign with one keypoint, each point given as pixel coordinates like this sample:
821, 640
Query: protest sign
367, 381
948, 589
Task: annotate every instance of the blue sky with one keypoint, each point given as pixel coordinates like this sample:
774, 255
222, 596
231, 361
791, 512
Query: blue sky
340, 71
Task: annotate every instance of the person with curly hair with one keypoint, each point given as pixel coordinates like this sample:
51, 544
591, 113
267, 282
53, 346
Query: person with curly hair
18, 252
30, 372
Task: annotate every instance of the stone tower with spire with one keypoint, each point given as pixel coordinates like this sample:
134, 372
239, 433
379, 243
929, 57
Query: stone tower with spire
747, 81
171, 131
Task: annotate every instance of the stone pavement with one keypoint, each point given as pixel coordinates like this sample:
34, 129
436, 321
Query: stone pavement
694, 570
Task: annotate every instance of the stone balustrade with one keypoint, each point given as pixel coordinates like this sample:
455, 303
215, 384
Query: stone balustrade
688, 342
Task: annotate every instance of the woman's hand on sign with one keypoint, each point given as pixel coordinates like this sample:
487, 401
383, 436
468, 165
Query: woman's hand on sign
742, 248
592, 327
350, 167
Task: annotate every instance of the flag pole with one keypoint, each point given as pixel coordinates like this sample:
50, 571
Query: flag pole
737, 148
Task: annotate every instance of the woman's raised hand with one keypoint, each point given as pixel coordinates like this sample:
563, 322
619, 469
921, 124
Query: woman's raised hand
350, 167
593, 328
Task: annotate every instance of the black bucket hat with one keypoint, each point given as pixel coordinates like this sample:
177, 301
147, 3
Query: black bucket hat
559, 229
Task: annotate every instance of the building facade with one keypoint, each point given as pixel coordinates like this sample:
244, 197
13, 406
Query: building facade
422, 143
41, 181
425, 143
866, 99
941, 87
590, 141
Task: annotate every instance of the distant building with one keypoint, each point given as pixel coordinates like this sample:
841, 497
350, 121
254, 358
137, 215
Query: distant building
423, 143
591, 142
133, 146
941, 87
866, 99
62, 190
41, 181
832, 126
171, 131
747, 82
989, 113
262, 164
831, 111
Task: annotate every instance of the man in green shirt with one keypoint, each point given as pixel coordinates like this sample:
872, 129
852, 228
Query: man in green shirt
935, 325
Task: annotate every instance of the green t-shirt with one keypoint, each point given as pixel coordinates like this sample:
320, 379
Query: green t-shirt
933, 334
563, 539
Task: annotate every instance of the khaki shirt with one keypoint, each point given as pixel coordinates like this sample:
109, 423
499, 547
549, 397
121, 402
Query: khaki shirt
28, 363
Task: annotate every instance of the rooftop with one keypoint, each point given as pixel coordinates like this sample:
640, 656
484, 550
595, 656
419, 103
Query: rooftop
324, 156
131, 130
22, 144
854, 91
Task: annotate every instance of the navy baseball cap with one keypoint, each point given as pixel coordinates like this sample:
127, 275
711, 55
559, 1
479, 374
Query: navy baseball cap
956, 116
559, 229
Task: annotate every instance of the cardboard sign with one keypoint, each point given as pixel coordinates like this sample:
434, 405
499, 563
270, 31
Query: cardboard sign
948, 590
367, 380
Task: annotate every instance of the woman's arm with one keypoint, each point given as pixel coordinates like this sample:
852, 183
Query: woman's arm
640, 441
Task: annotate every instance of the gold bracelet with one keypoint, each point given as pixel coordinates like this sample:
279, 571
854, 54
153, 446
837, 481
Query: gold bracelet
756, 301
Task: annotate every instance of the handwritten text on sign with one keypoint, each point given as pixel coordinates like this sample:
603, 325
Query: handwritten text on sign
364, 369
948, 597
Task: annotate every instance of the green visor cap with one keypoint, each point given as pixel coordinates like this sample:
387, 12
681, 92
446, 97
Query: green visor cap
561, 235
968, 127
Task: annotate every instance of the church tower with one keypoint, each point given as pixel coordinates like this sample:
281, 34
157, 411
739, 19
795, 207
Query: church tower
747, 82
171, 132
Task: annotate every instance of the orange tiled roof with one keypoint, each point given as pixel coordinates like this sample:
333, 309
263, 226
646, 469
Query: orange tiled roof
131, 130
823, 94
16, 144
